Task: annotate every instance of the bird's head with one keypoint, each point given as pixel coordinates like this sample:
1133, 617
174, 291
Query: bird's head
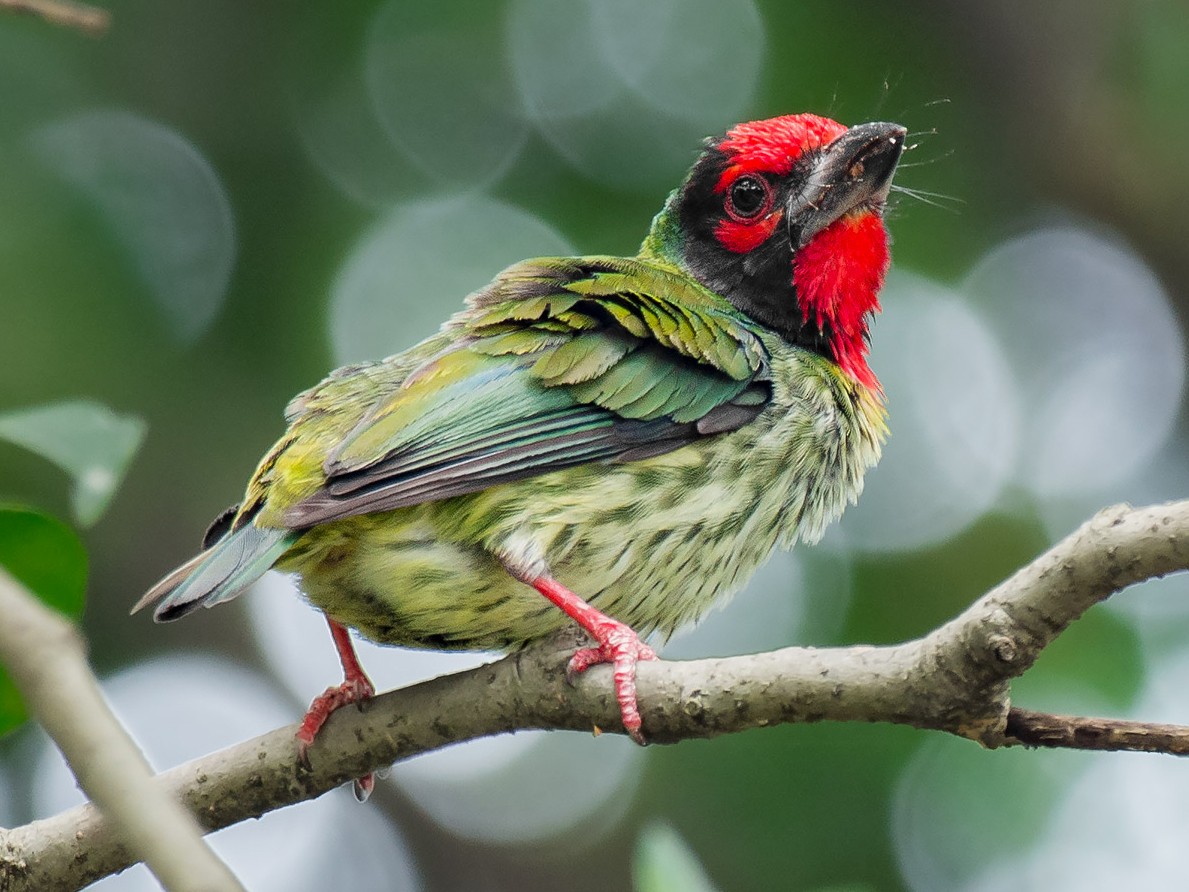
784, 218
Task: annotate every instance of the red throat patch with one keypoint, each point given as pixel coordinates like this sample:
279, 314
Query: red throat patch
838, 275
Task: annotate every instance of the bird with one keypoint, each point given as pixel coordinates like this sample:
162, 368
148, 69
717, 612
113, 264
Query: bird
616, 442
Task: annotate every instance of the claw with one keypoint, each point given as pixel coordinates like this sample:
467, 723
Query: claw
353, 690
363, 787
616, 644
622, 648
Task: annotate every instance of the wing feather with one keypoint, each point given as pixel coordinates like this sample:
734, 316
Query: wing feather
559, 362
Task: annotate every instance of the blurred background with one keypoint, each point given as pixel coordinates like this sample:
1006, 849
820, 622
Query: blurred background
209, 207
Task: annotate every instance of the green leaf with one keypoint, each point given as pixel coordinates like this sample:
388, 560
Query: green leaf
45, 556
86, 440
664, 863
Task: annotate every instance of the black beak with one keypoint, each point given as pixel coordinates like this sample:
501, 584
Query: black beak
854, 170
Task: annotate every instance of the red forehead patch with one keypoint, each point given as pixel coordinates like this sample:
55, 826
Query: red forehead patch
774, 145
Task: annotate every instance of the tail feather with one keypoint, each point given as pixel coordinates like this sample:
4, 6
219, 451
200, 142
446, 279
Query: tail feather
219, 573
168, 583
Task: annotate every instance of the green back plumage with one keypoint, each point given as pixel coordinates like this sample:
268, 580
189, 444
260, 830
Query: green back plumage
559, 362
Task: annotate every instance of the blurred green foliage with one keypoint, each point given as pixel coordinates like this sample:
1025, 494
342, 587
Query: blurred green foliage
48, 559
84, 439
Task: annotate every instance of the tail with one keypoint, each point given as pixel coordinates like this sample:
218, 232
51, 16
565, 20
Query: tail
219, 573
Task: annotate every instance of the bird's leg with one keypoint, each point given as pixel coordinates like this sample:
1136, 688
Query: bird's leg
355, 688
617, 644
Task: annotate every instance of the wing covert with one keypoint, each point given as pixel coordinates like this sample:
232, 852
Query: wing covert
557, 363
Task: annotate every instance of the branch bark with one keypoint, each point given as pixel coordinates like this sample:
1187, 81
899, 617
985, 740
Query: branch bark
956, 679
1080, 733
88, 19
47, 660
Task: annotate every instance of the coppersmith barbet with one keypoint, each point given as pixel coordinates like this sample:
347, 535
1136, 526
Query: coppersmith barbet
628, 437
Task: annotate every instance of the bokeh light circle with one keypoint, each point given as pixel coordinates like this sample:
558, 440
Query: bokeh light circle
1096, 349
444, 99
1122, 823
161, 198
953, 416
411, 270
650, 47
767, 614
558, 69
343, 140
616, 91
560, 782
959, 809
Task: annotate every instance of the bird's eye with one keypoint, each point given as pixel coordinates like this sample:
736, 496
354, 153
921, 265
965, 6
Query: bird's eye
748, 197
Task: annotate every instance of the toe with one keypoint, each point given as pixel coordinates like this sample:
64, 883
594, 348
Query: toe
363, 787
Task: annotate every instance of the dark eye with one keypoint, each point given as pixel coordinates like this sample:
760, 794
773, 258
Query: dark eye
748, 197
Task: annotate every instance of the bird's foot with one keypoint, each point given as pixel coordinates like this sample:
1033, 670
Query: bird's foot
615, 642
622, 648
356, 688
353, 690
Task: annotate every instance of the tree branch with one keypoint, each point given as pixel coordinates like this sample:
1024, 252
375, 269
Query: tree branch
956, 679
88, 19
1075, 732
48, 663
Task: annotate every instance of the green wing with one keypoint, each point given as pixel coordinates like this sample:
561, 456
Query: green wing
559, 362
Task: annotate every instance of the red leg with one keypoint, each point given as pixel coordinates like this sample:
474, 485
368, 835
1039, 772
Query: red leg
355, 688
617, 644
